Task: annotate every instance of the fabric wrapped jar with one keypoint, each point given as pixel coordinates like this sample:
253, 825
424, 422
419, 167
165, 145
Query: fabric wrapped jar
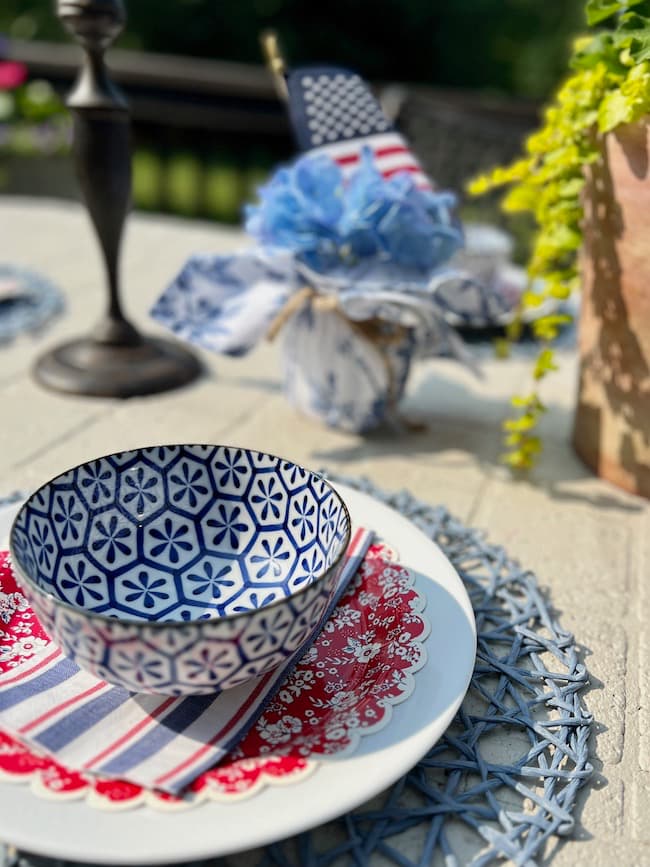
348, 375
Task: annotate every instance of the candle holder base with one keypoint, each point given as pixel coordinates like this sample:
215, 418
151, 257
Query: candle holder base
90, 367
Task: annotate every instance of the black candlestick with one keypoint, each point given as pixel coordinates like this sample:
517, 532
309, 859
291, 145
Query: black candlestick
115, 361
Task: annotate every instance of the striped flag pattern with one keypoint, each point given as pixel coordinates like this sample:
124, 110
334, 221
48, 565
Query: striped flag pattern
333, 111
161, 742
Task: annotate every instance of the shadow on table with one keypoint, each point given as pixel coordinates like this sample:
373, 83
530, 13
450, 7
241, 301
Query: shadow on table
261, 383
472, 423
443, 415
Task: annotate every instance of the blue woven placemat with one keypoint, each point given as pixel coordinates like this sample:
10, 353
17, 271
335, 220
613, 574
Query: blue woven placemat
470, 801
30, 303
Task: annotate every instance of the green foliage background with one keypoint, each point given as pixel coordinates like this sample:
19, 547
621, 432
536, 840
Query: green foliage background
609, 86
514, 46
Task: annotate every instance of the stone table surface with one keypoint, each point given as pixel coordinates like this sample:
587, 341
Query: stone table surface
588, 542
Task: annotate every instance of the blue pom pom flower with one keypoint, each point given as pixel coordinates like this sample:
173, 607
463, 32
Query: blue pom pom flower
331, 252
329, 224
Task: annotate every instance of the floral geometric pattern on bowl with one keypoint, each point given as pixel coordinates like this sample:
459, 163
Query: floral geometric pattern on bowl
345, 687
124, 556
179, 533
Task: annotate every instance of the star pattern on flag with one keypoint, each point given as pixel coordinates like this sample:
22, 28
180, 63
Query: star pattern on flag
333, 111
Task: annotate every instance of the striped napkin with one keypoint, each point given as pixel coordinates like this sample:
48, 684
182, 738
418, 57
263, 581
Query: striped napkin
158, 742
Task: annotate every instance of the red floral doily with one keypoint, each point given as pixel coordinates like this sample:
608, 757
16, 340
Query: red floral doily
344, 687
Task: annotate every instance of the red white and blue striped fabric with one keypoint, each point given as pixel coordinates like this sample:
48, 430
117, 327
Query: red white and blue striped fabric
333, 111
155, 741
391, 155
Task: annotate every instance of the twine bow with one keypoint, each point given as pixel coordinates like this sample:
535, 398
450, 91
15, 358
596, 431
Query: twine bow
376, 330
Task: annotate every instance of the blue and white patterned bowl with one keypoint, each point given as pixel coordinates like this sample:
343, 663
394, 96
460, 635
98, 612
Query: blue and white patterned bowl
181, 569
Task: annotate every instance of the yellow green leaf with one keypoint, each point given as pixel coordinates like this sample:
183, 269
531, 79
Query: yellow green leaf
614, 110
544, 364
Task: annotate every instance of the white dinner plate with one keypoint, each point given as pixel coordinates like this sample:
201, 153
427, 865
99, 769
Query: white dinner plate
74, 830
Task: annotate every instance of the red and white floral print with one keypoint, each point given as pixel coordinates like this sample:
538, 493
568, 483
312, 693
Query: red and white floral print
343, 688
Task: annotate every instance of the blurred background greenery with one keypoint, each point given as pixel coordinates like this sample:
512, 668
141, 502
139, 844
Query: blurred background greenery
514, 46
509, 52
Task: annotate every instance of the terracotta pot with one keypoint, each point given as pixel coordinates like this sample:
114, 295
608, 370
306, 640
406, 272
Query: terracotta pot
612, 422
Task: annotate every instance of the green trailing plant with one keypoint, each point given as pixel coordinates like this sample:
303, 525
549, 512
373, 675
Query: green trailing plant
609, 85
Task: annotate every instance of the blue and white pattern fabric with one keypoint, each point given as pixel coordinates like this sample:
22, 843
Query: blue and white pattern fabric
155, 741
227, 304
337, 376
356, 221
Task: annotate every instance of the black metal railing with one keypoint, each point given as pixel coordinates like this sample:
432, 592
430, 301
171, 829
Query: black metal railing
207, 132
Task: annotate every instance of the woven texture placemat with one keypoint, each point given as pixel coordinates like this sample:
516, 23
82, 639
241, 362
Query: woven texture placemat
28, 302
503, 780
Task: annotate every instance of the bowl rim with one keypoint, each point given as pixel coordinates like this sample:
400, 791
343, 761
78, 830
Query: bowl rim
160, 624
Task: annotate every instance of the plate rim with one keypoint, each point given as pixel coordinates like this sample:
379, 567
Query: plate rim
241, 836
